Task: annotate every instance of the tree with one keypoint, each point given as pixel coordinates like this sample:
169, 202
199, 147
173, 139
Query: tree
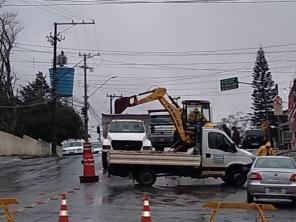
36, 91
9, 29
263, 91
1, 3
35, 119
239, 120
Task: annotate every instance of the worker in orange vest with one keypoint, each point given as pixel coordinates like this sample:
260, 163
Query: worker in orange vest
265, 150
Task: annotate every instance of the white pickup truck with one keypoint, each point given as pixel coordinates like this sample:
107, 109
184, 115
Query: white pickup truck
125, 134
218, 157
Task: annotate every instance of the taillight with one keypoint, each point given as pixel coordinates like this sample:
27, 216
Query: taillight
293, 177
255, 176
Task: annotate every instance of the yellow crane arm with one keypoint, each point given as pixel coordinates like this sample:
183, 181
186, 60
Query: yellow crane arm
157, 94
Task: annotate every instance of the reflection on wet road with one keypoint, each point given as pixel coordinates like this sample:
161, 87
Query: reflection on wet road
115, 199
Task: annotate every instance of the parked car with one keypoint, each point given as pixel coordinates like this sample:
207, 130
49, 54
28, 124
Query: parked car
272, 177
253, 139
96, 147
72, 148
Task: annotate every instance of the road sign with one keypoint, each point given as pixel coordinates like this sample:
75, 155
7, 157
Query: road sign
277, 105
277, 101
230, 83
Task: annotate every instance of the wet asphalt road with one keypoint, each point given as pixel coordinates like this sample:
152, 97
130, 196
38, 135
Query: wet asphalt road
36, 183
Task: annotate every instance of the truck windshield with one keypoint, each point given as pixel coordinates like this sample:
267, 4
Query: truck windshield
127, 127
161, 120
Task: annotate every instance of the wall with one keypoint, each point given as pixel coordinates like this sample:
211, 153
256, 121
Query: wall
292, 113
26, 146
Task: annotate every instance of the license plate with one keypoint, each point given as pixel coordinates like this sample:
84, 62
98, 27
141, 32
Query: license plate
274, 190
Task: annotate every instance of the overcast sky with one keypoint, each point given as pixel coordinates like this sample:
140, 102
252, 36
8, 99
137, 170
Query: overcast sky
185, 47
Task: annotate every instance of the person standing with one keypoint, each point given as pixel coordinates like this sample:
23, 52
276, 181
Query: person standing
235, 135
226, 130
265, 150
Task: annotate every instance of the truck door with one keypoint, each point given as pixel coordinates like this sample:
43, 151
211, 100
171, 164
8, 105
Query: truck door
218, 152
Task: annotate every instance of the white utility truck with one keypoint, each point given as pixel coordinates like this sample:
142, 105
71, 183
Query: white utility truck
217, 157
199, 149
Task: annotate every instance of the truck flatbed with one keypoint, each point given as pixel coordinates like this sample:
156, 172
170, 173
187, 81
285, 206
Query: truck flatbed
153, 158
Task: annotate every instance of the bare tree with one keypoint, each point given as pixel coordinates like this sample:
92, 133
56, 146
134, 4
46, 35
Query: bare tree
1, 3
9, 29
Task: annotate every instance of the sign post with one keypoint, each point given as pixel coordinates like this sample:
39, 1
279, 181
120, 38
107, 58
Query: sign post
278, 106
278, 111
230, 83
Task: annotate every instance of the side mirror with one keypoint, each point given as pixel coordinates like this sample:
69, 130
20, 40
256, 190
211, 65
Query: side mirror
233, 148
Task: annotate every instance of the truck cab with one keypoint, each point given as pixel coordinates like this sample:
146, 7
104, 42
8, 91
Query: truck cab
221, 157
161, 129
125, 134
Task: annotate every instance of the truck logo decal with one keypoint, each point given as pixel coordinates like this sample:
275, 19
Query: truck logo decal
218, 158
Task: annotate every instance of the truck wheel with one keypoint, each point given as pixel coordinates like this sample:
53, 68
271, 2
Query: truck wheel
104, 160
225, 179
146, 178
250, 198
236, 177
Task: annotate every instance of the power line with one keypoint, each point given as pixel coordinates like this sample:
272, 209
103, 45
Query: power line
47, 9
120, 2
167, 52
25, 106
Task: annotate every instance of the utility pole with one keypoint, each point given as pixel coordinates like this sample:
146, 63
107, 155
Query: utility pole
53, 40
86, 106
111, 97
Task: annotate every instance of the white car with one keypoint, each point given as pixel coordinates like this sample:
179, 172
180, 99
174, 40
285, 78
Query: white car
96, 147
72, 148
272, 177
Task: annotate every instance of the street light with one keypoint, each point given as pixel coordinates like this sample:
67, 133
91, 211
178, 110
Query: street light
101, 85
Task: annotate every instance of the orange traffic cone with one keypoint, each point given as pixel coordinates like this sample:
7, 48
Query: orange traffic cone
88, 165
146, 217
63, 210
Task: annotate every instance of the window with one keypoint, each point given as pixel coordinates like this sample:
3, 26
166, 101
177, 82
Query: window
219, 142
76, 144
281, 163
127, 127
67, 145
161, 120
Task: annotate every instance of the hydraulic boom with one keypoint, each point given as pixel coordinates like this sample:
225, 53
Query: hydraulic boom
178, 114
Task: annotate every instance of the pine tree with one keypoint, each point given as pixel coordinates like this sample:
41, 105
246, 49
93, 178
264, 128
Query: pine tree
36, 91
35, 118
264, 91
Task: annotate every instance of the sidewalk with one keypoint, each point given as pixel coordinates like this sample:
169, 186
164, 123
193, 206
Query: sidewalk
9, 159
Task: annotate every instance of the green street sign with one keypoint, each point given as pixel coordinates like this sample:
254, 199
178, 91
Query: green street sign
230, 83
